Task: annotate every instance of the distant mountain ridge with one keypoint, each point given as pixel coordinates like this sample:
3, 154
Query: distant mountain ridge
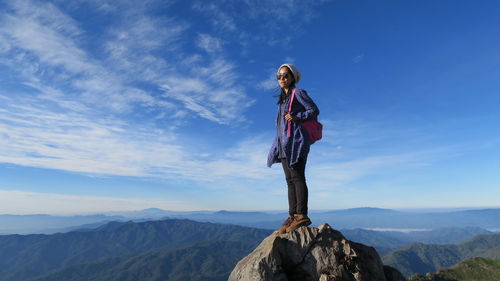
422, 258
387, 241
48, 224
368, 218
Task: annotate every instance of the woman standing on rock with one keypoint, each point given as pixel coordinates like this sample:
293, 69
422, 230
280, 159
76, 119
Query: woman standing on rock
291, 145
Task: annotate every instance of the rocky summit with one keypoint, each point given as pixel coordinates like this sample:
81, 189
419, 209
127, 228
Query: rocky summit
310, 253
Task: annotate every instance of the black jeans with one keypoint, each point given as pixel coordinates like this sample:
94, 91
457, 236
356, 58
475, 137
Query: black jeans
297, 187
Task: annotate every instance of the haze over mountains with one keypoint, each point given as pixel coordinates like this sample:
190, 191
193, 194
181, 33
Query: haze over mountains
387, 241
368, 218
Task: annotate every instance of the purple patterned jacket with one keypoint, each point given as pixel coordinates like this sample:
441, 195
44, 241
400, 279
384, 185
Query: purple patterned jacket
297, 145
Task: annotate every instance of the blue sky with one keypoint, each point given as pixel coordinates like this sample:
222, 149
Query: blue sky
124, 105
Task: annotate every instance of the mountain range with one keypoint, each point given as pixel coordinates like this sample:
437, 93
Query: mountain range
423, 258
366, 218
179, 249
129, 248
387, 241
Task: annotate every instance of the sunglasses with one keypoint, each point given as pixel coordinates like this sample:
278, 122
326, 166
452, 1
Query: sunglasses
283, 76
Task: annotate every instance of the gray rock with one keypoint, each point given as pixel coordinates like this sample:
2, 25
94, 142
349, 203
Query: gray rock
307, 254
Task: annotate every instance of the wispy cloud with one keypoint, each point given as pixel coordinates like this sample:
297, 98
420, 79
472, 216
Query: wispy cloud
39, 136
209, 43
46, 37
44, 49
134, 41
36, 136
220, 19
211, 92
353, 150
49, 49
282, 11
22, 202
270, 82
358, 58
71, 117
340, 173
76, 108
277, 21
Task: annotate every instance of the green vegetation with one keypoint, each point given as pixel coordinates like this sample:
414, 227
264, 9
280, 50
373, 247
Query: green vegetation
476, 269
201, 261
493, 262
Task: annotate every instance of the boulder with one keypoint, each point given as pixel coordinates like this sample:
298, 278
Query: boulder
310, 253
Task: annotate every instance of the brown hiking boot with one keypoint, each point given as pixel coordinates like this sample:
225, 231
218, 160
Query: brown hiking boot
298, 221
286, 224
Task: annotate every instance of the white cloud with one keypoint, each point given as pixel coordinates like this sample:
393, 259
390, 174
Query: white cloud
270, 83
209, 43
42, 137
37, 136
352, 150
48, 56
46, 49
22, 202
64, 140
340, 173
274, 22
211, 92
286, 11
358, 58
220, 19
134, 41
73, 117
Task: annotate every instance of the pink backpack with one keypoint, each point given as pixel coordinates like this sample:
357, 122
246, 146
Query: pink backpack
312, 126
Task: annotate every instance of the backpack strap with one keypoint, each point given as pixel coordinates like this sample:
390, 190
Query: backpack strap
289, 110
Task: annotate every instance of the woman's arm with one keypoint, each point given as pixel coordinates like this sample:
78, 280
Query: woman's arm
311, 110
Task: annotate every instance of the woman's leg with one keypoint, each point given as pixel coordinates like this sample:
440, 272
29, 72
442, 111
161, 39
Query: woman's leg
292, 197
297, 187
301, 191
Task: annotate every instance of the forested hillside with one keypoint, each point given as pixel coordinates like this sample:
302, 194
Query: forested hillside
115, 244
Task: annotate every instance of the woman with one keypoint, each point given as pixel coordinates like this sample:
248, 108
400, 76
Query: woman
291, 148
